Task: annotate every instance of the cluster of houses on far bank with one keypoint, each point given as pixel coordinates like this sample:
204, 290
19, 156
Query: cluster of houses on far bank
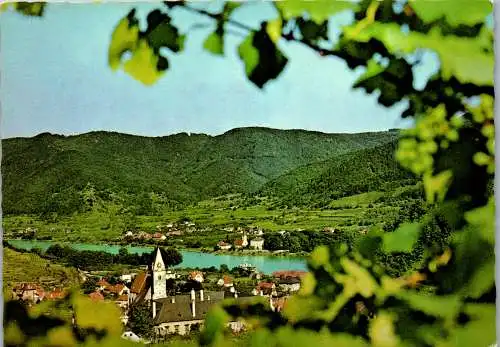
256, 243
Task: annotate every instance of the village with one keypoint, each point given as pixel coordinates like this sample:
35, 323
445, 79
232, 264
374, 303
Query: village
178, 301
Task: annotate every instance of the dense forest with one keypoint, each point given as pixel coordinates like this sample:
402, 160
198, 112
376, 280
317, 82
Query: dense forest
66, 174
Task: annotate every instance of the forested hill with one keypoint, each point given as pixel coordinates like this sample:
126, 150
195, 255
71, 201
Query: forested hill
182, 167
360, 171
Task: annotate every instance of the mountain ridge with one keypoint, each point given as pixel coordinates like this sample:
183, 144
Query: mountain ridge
184, 167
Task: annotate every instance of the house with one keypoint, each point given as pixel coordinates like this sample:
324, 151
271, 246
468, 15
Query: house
289, 274
122, 301
290, 284
181, 314
174, 233
141, 288
96, 296
158, 236
173, 314
241, 243
129, 234
196, 276
329, 230
56, 294
127, 277
28, 292
257, 243
118, 289
265, 288
224, 246
225, 281
102, 284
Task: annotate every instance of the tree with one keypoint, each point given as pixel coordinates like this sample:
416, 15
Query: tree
171, 256
89, 285
141, 320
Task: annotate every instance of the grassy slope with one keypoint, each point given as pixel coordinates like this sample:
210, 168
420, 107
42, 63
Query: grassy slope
185, 168
353, 173
29, 267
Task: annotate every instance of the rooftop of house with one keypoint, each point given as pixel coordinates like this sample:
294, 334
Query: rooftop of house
258, 239
265, 285
123, 297
181, 309
56, 294
289, 274
96, 296
139, 283
238, 242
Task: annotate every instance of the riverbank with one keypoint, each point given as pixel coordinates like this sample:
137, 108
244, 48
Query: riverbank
191, 259
240, 252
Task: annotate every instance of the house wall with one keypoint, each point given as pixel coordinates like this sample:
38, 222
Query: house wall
183, 328
180, 328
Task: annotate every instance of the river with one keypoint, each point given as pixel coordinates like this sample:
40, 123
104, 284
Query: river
191, 259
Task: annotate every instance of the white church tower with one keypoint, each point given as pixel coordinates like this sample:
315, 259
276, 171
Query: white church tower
159, 272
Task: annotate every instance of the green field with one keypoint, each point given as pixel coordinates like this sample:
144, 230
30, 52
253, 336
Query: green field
354, 213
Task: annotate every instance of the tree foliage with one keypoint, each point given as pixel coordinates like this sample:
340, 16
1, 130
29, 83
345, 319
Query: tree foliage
348, 299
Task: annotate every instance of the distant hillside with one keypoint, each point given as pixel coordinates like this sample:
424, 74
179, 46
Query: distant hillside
369, 169
182, 167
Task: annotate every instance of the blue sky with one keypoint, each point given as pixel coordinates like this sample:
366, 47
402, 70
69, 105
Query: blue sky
55, 78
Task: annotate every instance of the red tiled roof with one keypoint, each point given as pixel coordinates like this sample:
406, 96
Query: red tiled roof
222, 243
116, 288
139, 283
238, 242
56, 294
194, 274
157, 235
96, 296
227, 280
265, 285
289, 274
123, 297
102, 282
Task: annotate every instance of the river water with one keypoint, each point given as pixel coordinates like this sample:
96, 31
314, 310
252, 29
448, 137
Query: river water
191, 259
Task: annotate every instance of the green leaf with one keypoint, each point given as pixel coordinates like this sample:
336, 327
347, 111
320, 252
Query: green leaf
482, 280
287, 336
455, 12
32, 9
312, 31
229, 7
479, 331
263, 61
483, 218
436, 186
214, 43
437, 306
144, 65
123, 39
372, 69
361, 281
273, 29
382, 332
161, 33
319, 10
214, 325
320, 256
101, 316
466, 58
299, 308
308, 284
402, 239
